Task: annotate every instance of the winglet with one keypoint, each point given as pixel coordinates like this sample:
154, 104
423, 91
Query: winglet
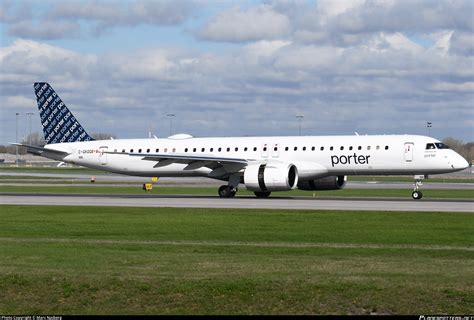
59, 125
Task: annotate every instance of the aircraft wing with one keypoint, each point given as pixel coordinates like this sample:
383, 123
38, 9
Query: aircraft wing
44, 152
230, 165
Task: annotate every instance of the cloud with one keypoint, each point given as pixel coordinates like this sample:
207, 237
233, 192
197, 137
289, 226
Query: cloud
462, 43
45, 30
257, 23
347, 66
27, 57
65, 19
111, 14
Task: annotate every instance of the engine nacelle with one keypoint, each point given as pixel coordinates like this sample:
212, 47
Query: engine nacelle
271, 177
328, 183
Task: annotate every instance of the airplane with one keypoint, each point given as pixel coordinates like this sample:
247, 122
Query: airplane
261, 164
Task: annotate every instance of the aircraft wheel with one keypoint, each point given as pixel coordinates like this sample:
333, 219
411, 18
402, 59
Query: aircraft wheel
262, 194
226, 192
417, 195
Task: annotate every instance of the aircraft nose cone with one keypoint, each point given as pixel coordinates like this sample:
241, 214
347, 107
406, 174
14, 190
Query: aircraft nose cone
460, 163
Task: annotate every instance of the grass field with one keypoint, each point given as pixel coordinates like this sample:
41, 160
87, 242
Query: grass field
90, 260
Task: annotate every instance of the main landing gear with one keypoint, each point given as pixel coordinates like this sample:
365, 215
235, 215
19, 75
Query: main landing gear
230, 190
262, 194
227, 191
417, 194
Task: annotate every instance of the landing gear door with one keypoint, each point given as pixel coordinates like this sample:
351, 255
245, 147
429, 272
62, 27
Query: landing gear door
409, 151
103, 155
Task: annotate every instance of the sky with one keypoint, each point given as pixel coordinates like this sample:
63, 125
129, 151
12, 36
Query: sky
242, 68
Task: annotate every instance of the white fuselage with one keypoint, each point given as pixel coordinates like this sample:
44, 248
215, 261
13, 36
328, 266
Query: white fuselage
314, 156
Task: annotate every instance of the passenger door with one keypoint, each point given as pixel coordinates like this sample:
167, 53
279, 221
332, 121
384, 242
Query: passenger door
103, 155
409, 151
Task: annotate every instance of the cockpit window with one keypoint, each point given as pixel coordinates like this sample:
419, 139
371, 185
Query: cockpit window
430, 146
441, 145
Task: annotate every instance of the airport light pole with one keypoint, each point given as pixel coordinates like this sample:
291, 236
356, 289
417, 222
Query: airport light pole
16, 139
171, 115
428, 125
299, 117
29, 137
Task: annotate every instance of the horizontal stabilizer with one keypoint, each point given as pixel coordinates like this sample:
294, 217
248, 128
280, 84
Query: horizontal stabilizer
45, 152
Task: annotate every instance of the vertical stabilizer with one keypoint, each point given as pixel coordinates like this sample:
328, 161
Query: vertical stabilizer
59, 125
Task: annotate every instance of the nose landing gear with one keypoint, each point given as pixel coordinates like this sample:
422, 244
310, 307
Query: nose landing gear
417, 194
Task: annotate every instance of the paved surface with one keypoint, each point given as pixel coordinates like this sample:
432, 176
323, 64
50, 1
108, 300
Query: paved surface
349, 185
241, 202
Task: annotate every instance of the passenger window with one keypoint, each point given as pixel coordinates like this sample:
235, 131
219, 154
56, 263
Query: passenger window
194, 149
228, 149
123, 150
245, 149
359, 148
185, 149
342, 148
157, 150
203, 149
304, 148
174, 149
131, 150
313, 148
166, 150
147, 150
139, 150
386, 147
286, 148
350, 148
220, 149
275, 149
212, 149
368, 147
264, 148
236, 149
322, 148
296, 148
331, 148
377, 147
254, 148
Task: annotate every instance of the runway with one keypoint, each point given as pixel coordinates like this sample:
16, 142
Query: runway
289, 203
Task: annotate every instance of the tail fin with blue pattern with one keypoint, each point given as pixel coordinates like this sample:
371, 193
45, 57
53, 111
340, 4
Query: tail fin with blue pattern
59, 125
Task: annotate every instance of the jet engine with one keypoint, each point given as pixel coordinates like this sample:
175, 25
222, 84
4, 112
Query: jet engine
270, 177
328, 183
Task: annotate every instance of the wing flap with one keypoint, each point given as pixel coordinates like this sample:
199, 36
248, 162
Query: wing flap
193, 162
186, 158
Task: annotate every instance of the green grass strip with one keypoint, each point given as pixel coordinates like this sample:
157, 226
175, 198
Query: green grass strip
104, 260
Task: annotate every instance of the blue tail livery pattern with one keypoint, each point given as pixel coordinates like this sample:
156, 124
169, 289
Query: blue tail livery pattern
59, 125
